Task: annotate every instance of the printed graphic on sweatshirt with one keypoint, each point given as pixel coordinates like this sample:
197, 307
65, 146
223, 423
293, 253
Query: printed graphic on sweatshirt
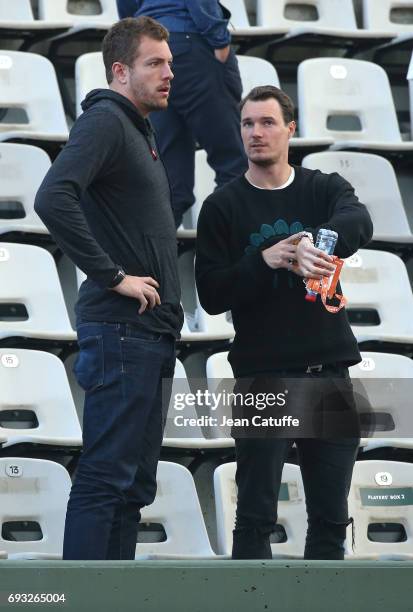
266, 233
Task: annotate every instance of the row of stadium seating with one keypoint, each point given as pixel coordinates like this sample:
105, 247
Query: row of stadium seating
23, 167
376, 284
34, 494
336, 109
37, 409
385, 19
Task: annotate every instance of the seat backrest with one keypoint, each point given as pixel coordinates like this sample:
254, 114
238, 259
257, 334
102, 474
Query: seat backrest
214, 327
221, 386
204, 184
291, 509
36, 404
314, 13
30, 107
375, 184
381, 504
89, 74
409, 78
378, 290
239, 15
201, 325
176, 428
346, 99
58, 10
30, 285
177, 509
386, 382
255, 71
16, 11
382, 365
33, 493
218, 367
388, 15
22, 168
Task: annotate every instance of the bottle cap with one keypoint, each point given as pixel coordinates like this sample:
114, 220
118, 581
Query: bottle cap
311, 297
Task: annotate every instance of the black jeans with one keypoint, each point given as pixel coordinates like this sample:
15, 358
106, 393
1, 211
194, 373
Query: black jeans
326, 466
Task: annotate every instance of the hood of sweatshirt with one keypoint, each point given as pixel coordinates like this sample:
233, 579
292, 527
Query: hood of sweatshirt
96, 95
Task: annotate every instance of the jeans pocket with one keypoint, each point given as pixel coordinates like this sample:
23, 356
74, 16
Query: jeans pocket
140, 334
232, 77
89, 365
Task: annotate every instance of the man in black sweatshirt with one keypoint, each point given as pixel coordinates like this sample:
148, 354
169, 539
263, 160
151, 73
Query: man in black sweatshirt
106, 201
254, 248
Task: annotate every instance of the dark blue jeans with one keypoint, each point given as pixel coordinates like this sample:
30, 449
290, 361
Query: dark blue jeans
326, 467
203, 108
121, 368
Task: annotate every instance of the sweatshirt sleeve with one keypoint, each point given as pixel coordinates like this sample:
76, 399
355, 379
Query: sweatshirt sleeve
208, 16
347, 216
127, 8
222, 283
95, 141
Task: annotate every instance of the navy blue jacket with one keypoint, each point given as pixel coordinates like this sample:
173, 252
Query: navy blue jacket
205, 17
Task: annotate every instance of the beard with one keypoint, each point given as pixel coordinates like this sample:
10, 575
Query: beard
148, 99
263, 162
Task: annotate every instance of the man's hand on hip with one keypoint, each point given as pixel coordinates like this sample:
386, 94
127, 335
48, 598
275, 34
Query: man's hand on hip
142, 288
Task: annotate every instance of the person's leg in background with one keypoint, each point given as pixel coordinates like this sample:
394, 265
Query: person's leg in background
326, 467
258, 477
120, 371
177, 148
215, 120
205, 95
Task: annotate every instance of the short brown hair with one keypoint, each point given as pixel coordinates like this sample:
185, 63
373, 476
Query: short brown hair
265, 92
121, 43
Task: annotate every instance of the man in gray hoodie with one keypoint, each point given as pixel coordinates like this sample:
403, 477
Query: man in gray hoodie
106, 202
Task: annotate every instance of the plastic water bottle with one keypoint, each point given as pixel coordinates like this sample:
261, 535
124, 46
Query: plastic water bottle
326, 241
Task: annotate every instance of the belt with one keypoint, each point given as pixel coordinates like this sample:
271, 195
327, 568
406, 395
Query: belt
314, 369
306, 369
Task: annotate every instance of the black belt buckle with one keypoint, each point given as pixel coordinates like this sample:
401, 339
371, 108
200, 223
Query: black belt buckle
315, 369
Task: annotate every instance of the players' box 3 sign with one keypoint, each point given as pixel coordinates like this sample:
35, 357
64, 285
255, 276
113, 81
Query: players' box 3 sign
402, 496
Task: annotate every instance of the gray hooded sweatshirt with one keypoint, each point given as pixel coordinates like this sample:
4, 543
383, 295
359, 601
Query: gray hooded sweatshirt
106, 202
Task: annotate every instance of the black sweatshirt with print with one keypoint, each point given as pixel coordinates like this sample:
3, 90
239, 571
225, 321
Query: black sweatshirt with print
275, 326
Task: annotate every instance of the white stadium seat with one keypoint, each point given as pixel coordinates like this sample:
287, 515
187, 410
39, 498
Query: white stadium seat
375, 184
351, 101
22, 169
381, 504
33, 494
34, 112
58, 10
36, 382
387, 381
176, 507
29, 284
377, 282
